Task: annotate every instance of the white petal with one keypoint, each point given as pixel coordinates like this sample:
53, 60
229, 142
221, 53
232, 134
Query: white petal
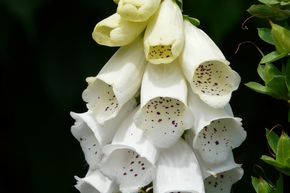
83, 130
216, 134
223, 182
137, 10
206, 69
116, 31
117, 83
163, 114
129, 158
177, 170
164, 36
95, 182
129, 136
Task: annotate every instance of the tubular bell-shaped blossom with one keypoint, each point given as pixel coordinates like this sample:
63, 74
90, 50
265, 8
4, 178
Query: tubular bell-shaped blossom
95, 182
130, 158
222, 182
206, 69
164, 36
216, 133
137, 10
92, 136
116, 31
177, 170
163, 113
116, 83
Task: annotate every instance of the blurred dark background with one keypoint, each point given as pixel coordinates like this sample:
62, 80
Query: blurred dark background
46, 52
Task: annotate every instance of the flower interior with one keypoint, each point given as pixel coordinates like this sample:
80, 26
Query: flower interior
214, 142
212, 78
101, 100
88, 142
128, 169
163, 120
223, 182
160, 52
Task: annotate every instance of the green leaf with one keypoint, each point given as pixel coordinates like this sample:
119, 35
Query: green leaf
192, 20
266, 35
265, 11
258, 88
260, 185
270, 71
261, 71
287, 74
281, 37
272, 139
271, 161
283, 149
279, 185
273, 56
179, 3
269, 2
278, 87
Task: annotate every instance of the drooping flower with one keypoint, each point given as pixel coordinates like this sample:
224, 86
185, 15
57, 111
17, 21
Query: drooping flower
92, 136
116, 83
94, 182
163, 113
130, 158
116, 31
206, 68
177, 170
164, 36
137, 10
215, 133
222, 182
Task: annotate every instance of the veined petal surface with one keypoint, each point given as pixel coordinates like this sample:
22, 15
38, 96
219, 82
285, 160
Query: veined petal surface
177, 170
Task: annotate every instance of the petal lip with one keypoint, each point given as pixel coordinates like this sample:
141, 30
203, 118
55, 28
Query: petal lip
117, 82
129, 136
95, 181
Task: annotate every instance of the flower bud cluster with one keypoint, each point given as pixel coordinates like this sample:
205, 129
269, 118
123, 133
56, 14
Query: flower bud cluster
158, 111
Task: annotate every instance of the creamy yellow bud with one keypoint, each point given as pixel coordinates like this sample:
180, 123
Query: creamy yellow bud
137, 10
164, 36
116, 31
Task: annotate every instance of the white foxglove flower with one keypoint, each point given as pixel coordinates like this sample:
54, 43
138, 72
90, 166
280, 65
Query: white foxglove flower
222, 182
177, 170
92, 136
137, 10
95, 182
216, 133
116, 83
164, 36
206, 69
116, 31
163, 114
129, 159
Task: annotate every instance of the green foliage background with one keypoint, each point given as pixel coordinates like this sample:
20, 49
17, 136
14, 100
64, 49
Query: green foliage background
46, 52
